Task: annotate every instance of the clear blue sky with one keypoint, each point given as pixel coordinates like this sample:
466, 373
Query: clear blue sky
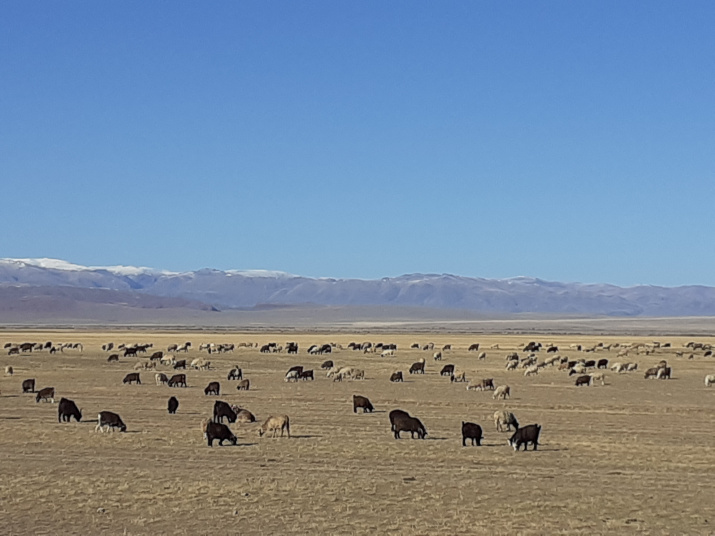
571, 141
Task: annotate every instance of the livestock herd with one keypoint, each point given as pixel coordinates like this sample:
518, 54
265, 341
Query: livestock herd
587, 371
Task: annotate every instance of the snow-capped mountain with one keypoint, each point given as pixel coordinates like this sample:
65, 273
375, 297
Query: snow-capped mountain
236, 288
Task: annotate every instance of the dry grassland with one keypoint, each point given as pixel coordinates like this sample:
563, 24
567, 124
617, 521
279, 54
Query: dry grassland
633, 456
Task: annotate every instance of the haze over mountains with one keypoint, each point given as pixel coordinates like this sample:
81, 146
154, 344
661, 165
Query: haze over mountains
50, 286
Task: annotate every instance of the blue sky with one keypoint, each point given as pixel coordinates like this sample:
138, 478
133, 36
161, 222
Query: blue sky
569, 141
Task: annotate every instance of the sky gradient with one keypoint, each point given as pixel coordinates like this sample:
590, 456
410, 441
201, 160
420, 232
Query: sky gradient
568, 141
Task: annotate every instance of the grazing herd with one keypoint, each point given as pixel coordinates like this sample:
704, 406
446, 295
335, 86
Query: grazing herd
587, 372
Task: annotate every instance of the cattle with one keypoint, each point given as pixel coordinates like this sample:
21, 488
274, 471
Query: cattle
111, 421
408, 424
221, 410
132, 377
524, 436
474, 347
28, 386
447, 370
292, 348
591, 363
265, 349
437, 356
396, 376
292, 375
235, 374
583, 380
130, 352
417, 368
602, 364
362, 402
156, 356
13, 351
506, 419
173, 405
177, 380
394, 414
273, 424
215, 430
245, 416
180, 364
113, 357
160, 378
213, 388
243, 385
46, 395
503, 392
68, 409
327, 365
306, 375
473, 432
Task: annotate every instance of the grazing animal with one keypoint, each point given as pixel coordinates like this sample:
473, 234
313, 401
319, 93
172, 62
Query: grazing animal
46, 395
387, 353
408, 424
474, 347
437, 356
235, 374
113, 357
362, 402
221, 410
482, 355
245, 416
511, 365
9, 371
709, 380
524, 436
177, 380
396, 376
273, 424
292, 375
213, 388
459, 376
181, 364
447, 370
132, 377
417, 368
583, 380
173, 405
651, 373
394, 414
68, 409
506, 419
28, 386
160, 378
502, 392
111, 421
602, 364
243, 385
473, 432
215, 430
156, 356
306, 375
531, 370
663, 373
327, 365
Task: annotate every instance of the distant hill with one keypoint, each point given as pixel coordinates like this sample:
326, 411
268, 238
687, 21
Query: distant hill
247, 289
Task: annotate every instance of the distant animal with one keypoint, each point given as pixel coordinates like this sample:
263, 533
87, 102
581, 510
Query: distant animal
28, 386
213, 388
180, 364
245, 416
46, 395
396, 376
473, 432
68, 409
9, 371
111, 421
417, 368
664, 373
223, 410
156, 356
160, 378
173, 405
273, 424
482, 355
583, 380
474, 347
394, 415
215, 430
651, 373
292, 375
362, 402
408, 424
243, 385
132, 377
506, 419
447, 370
459, 376
177, 380
602, 364
235, 374
306, 375
327, 365
524, 436
503, 392
437, 356
113, 357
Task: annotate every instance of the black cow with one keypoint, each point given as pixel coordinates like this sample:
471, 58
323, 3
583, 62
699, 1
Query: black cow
591, 363
173, 405
306, 375
110, 420
215, 430
156, 356
177, 380
583, 380
113, 357
46, 394
292, 348
213, 388
181, 364
362, 402
417, 368
474, 347
235, 374
130, 352
552, 349
296, 368
447, 370
221, 410
28, 386
132, 377
524, 436
68, 409
409, 424
394, 415
602, 363
473, 432
327, 365
396, 376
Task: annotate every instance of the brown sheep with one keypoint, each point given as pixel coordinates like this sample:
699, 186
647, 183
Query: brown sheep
273, 424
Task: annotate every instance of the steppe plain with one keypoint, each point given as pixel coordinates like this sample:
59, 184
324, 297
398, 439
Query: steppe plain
633, 456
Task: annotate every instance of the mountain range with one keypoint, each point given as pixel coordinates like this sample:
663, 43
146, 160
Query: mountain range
49, 283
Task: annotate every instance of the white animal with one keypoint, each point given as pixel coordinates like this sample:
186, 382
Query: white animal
709, 380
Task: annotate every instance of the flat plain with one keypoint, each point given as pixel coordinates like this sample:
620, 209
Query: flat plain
631, 456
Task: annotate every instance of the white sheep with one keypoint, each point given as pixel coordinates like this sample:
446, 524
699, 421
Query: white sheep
709, 380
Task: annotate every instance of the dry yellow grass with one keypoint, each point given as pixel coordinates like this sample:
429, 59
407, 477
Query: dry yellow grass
633, 456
